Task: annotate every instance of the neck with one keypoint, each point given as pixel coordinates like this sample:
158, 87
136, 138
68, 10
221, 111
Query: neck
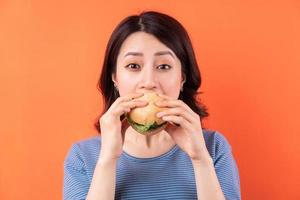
148, 141
147, 146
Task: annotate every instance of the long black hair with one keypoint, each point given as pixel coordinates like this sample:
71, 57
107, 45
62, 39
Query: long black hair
168, 31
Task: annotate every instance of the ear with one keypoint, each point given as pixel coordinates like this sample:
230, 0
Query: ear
183, 79
113, 78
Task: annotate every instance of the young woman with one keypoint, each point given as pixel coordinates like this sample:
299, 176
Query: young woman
151, 52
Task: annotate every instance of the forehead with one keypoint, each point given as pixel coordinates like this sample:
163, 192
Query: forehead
144, 43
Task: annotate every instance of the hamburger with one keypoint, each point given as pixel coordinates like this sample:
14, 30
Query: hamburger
144, 119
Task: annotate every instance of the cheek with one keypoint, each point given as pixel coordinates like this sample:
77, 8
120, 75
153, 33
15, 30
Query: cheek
171, 87
126, 84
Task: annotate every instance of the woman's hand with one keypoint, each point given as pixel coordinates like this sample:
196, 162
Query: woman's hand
184, 127
113, 129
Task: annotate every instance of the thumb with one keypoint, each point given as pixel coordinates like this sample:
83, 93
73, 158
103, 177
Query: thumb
124, 127
170, 128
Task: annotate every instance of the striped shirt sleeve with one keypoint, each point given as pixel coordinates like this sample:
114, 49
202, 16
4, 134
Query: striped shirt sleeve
226, 168
76, 183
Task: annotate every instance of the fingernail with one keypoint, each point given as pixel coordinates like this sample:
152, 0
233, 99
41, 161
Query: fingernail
159, 114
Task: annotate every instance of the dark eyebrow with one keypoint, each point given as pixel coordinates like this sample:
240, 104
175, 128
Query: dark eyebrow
133, 54
160, 53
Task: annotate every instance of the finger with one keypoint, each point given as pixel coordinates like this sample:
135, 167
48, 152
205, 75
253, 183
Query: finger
177, 112
178, 120
125, 125
166, 97
132, 96
129, 97
176, 103
171, 127
125, 99
127, 106
119, 111
134, 104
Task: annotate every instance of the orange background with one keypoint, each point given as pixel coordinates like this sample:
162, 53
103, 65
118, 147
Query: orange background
50, 60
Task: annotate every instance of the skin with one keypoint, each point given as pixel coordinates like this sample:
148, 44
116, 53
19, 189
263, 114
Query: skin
144, 71
147, 72
135, 74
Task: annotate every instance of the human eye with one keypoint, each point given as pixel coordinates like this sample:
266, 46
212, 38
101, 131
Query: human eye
164, 67
132, 66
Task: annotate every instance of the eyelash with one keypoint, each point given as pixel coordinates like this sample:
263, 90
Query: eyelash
127, 66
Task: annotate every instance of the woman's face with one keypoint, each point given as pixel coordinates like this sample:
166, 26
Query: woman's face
145, 64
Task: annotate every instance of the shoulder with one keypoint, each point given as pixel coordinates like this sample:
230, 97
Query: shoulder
216, 143
83, 152
224, 163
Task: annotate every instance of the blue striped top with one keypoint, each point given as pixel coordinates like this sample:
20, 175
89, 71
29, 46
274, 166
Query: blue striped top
168, 176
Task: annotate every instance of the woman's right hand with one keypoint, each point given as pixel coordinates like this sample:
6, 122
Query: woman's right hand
113, 129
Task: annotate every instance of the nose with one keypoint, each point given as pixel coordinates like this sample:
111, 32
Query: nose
148, 79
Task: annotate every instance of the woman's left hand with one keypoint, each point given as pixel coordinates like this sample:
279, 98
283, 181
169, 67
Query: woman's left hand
184, 127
